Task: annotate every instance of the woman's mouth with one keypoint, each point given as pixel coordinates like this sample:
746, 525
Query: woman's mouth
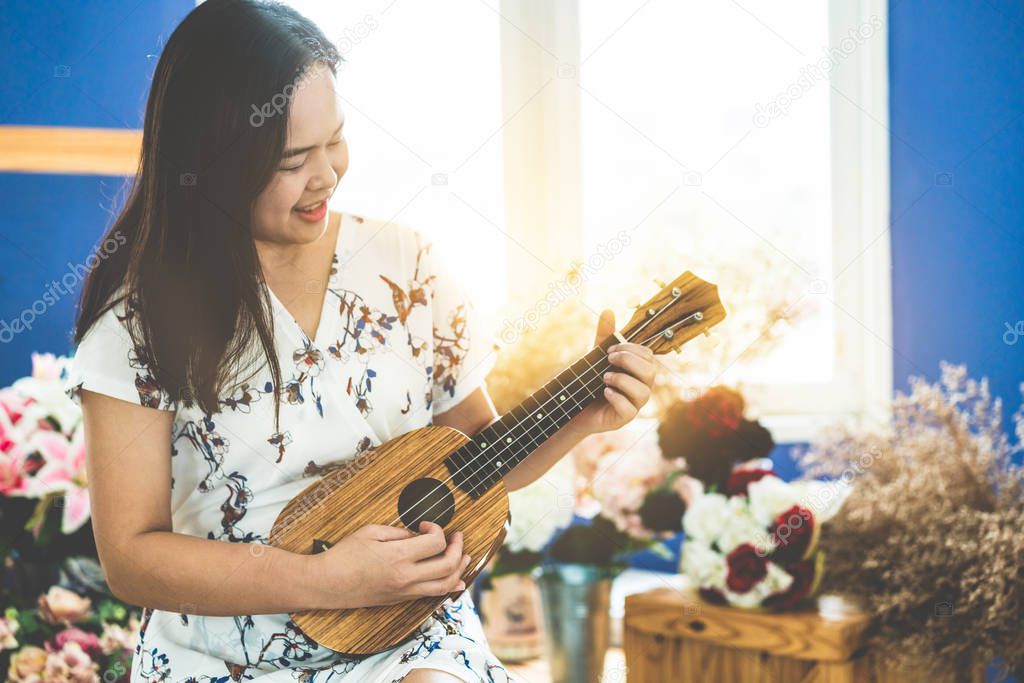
313, 212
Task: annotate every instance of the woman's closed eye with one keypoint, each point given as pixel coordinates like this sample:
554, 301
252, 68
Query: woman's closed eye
333, 143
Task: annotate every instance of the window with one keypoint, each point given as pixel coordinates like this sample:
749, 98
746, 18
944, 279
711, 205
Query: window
745, 141
421, 91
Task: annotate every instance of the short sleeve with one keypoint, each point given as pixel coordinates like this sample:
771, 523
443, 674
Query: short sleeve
108, 362
464, 347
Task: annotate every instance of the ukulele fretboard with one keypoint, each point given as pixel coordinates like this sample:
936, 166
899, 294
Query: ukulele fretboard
495, 450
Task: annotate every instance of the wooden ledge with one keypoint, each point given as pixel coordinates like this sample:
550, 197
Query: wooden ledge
59, 149
805, 635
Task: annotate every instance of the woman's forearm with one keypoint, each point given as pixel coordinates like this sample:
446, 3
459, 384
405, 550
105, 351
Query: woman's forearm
544, 458
180, 573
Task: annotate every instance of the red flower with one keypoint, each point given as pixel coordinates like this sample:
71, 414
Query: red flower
746, 568
803, 574
739, 480
718, 411
792, 532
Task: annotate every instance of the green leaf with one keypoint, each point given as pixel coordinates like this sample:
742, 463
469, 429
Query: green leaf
112, 611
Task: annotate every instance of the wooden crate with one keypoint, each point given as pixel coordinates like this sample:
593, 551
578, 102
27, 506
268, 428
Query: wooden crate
671, 635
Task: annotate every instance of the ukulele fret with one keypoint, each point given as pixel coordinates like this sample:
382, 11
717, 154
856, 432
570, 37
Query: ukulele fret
503, 444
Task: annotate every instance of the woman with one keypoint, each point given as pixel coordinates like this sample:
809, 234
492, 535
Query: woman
243, 341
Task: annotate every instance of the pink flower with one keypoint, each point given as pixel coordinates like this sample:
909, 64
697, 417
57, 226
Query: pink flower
12, 459
89, 642
71, 663
61, 606
115, 636
61, 469
12, 406
623, 477
12, 438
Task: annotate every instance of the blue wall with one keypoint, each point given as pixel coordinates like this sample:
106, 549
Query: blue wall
957, 136
83, 63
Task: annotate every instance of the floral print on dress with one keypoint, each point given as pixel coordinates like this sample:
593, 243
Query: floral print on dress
234, 508
147, 391
204, 439
450, 351
398, 342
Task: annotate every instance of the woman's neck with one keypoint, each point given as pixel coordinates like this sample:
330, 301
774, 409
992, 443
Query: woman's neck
290, 267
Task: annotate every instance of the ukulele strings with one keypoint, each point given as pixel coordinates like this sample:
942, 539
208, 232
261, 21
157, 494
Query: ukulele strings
587, 388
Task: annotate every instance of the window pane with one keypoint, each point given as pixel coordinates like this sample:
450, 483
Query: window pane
677, 140
421, 93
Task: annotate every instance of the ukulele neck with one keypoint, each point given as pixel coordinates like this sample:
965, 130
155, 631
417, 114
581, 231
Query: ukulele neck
496, 449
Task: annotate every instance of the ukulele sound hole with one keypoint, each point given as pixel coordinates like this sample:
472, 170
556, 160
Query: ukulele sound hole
425, 500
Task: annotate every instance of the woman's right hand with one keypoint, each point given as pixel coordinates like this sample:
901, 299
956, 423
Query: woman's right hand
384, 565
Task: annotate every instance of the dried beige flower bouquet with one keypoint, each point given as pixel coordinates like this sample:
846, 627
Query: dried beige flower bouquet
931, 541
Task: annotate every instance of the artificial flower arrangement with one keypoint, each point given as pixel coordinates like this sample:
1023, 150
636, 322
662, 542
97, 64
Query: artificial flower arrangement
42, 446
584, 509
58, 620
751, 538
702, 441
755, 545
65, 639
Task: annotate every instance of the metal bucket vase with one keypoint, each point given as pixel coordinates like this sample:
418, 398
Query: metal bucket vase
575, 599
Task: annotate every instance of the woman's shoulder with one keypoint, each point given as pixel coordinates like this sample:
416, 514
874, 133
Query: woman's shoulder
387, 235
111, 359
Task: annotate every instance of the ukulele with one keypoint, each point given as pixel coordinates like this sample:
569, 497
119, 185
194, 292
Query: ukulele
438, 474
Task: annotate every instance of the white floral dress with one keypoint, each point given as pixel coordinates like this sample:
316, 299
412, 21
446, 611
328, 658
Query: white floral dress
398, 342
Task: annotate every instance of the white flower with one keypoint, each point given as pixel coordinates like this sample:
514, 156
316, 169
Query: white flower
702, 565
740, 526
769, 498
47, 391
705, 517
541, 508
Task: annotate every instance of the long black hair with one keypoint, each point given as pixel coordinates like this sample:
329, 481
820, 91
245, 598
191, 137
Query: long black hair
215, 127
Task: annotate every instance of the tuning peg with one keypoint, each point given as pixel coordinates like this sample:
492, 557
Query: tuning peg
660, 284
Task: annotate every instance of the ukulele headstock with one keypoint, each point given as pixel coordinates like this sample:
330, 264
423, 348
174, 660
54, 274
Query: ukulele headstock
683, 309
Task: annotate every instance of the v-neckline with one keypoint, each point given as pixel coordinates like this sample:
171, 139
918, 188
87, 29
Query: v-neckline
322, 324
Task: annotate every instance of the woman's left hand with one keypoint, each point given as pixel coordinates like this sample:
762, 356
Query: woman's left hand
627, 384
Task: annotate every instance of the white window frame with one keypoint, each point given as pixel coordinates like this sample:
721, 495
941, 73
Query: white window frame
540, 56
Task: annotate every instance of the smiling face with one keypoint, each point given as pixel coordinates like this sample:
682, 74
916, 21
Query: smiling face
292, 208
